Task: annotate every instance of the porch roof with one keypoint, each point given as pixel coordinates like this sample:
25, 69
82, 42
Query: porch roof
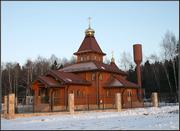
50, 82
68, 78
119, 81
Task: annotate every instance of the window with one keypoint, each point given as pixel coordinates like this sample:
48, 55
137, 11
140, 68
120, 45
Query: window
78, 93
100, 77
81, 58
93, 76
107, 93
95, 57
83, 93
87, 57
129, 93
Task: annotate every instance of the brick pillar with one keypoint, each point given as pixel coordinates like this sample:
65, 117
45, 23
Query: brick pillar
155, 99
11, 107
5, 105
71, 103
118, 102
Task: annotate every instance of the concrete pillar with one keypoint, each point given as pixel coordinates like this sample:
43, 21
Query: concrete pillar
5, 105
155, 99
71, 103
118, 102
11, 107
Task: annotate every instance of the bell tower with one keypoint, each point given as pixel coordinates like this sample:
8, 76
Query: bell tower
89, 49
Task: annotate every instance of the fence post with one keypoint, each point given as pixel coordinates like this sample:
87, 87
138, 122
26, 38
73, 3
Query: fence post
103, 102
118, 102
155, 99
71, 103
131, 100
88, 101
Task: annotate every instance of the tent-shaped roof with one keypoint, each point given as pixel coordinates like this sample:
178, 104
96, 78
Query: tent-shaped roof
89, 44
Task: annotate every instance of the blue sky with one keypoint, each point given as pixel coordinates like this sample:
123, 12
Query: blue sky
44, 28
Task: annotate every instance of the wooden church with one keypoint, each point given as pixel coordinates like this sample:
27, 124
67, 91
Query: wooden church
88, 77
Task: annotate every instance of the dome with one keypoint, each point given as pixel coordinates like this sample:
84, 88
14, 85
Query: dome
89, 32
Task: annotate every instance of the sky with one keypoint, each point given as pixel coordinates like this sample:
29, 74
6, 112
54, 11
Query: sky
41, 28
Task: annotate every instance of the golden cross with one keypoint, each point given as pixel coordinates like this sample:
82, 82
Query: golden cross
89, 18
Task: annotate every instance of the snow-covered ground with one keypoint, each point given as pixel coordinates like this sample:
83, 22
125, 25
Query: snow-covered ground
165, 117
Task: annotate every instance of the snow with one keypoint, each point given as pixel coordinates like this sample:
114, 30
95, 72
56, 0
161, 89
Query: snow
102, 67
165, 117
68, 80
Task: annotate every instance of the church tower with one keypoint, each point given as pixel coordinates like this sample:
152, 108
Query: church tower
89, 49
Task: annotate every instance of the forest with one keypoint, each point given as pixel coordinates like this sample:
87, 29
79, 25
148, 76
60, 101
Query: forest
159, 73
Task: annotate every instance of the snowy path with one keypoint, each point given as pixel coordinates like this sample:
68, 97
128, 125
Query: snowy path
166, 117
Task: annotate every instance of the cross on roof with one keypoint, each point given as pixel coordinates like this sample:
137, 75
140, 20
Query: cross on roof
112, 53
89, 18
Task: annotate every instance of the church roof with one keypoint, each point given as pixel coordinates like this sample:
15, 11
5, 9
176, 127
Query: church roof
89, 44
68, 78
93, 65
119, 81
49, 81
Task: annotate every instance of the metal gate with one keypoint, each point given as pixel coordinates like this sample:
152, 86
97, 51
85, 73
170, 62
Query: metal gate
92, 102
24, 104
58, 104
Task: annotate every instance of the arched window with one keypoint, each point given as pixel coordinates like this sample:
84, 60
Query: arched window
100, 77
93, 76
78, 93
129, 98
129, 93
87, 57
83, 93
107, 93
81, 59
95, 57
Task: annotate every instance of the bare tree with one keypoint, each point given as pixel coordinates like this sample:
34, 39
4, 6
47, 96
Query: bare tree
52, 59
72, 60
169, 48
153, 59
64, 61
126, 61
107, 61
42, 65
9, 67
